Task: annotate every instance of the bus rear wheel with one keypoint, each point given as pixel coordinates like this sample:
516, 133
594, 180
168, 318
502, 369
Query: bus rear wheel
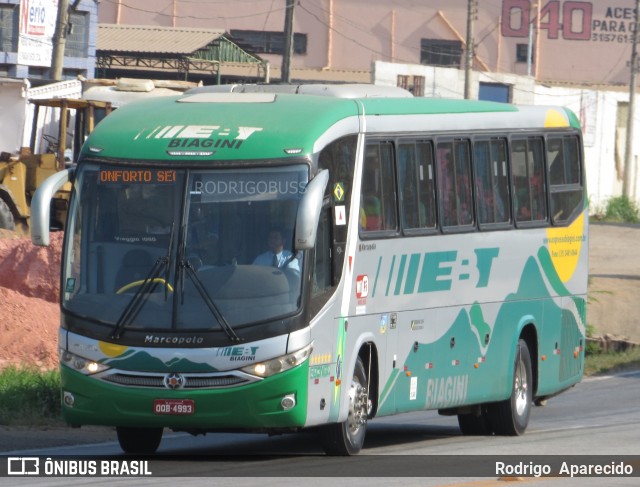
140, 441
511, 417
347, 438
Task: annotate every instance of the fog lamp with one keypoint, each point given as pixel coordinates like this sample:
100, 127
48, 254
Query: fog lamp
288, 401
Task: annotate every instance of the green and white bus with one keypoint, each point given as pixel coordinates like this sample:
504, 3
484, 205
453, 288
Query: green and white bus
434, 257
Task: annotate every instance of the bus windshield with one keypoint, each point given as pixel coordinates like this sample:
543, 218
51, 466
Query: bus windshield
183, 250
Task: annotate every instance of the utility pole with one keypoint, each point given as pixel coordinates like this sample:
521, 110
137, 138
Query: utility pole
469, 54
285, 75
59, 40
628, 149
530, 45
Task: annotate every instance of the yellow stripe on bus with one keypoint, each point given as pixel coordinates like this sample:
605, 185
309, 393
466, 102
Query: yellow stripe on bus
554, 118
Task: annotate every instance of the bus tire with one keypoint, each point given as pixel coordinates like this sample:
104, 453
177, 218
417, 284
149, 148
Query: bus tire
511, 416
139, 441
6, 217
475, 424
347, 438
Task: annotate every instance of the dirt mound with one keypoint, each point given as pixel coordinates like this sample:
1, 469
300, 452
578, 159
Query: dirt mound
31, 270
28, 331
29, 309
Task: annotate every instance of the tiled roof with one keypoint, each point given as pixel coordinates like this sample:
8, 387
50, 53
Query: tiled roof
152, 39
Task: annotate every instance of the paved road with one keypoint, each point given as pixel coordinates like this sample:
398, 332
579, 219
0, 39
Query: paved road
599, 416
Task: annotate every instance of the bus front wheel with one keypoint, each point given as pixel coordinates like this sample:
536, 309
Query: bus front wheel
140, 441
511, 417
347, 438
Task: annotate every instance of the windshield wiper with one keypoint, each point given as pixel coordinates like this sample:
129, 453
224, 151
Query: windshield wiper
185, 265
149, 284
190, 271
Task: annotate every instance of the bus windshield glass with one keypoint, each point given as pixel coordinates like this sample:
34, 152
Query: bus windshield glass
183, 250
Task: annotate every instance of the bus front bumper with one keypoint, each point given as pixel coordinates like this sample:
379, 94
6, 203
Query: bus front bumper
257, 406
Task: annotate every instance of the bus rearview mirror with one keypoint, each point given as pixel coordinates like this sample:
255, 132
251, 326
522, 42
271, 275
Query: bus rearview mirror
41, 206
309, 211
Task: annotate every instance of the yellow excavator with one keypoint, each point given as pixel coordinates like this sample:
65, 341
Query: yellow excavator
21, 174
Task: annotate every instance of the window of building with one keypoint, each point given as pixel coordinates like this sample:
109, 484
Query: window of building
413, 84
418, 86
9, 15
499, 92
440, 52
77, 41
522, 53
527, 166
268, 42
403, 81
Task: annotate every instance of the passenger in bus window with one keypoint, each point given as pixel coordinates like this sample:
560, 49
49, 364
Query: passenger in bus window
373, 213
277, 255
362, 219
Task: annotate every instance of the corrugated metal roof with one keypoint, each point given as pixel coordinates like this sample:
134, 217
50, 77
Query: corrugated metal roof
151, 39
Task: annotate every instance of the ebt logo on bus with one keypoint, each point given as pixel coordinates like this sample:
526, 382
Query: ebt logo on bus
438, 270
199, 136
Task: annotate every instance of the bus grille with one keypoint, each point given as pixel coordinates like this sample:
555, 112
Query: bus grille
191, 381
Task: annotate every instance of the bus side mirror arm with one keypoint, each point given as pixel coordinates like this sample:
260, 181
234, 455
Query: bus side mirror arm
41, 205
309, 211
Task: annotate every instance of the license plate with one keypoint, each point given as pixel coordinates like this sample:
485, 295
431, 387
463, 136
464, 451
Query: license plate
173, 406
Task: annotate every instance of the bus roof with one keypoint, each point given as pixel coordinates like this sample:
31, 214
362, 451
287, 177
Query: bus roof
207, 126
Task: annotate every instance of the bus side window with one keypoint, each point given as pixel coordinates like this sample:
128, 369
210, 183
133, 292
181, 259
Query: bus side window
426, 185
563, 156
491, 181
321, 282
408, 186
501, 180
527, 163
378, 189
417, 187
454, 177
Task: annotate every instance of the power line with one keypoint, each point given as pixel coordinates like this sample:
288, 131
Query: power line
198, 17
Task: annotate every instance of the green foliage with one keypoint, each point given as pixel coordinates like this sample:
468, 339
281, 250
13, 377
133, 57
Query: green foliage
591, 348
620, 209
612, 362
29, 396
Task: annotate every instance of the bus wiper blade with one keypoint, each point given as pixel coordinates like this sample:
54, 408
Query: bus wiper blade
146, 288
135, 305
186, 265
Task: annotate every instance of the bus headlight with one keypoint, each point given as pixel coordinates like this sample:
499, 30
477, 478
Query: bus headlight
279, 364
81, 364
